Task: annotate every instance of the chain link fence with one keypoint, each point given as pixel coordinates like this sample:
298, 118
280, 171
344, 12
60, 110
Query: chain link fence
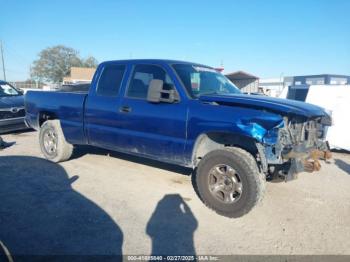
22, 85
25, 86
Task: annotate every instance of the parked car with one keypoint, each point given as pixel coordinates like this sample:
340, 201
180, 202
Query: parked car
190, 115
11, 108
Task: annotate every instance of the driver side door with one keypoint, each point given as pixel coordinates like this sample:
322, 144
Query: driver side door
156, 130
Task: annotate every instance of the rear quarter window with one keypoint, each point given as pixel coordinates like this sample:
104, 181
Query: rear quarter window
110, 80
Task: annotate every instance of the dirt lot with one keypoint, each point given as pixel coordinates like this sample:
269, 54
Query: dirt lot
106, 203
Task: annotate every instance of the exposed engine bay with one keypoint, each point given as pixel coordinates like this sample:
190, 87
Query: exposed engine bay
299, 146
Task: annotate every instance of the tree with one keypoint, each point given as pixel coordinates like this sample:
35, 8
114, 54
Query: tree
55, 62
90, 62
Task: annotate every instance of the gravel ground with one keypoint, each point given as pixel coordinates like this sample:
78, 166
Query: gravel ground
102, 202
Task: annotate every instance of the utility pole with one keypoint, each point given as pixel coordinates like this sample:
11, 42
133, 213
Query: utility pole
2, 59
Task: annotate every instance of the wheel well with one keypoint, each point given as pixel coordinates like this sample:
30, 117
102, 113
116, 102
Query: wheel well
206, 143
44, 116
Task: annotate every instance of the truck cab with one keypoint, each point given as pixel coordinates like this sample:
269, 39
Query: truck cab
123, 118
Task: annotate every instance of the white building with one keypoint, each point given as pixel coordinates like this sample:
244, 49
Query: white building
271, 86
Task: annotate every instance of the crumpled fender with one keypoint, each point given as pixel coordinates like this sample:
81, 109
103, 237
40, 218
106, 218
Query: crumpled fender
263, 129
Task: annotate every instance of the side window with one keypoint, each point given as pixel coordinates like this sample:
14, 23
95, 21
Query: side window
142, 76
110, 80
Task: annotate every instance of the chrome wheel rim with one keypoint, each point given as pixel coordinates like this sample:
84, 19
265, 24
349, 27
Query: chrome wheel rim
225, 184
50, 142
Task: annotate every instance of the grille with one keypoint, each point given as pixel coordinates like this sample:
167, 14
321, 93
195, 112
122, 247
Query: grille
8, 114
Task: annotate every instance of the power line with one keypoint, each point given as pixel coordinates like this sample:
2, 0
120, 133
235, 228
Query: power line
17, 58
9, 49
15, 71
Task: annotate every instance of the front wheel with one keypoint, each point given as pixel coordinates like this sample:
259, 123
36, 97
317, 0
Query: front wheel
229, 182
52, 142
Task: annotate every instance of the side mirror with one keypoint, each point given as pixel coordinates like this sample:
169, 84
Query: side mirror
157, 94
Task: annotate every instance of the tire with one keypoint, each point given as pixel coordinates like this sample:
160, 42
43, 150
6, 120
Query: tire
242, 179
52, 142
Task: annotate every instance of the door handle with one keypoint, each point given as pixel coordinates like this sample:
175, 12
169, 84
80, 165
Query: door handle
125, 109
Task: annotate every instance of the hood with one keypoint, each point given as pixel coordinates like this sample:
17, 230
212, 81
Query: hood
282, 106
11, 101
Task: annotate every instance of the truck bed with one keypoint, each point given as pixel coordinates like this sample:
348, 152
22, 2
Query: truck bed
66, 106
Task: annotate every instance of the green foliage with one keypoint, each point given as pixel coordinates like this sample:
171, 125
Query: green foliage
55, 62
90, 62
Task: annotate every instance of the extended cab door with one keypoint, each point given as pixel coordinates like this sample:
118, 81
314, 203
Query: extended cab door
102, 118
157, 130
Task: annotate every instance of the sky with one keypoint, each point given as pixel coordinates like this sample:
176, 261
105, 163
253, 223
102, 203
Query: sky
267, 38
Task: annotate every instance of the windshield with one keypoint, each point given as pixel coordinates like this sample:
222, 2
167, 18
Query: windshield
7, 90
200, 80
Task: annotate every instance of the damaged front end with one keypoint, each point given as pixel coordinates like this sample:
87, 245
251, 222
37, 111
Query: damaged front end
295, 145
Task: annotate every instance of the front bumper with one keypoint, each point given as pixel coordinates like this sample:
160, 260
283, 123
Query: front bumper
298, 147
305, 159
12, 124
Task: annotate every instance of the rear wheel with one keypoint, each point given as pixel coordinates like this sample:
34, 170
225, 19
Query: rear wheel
52, 142
229, 182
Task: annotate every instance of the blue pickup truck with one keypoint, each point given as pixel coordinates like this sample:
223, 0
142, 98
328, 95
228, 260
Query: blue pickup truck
190, 115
